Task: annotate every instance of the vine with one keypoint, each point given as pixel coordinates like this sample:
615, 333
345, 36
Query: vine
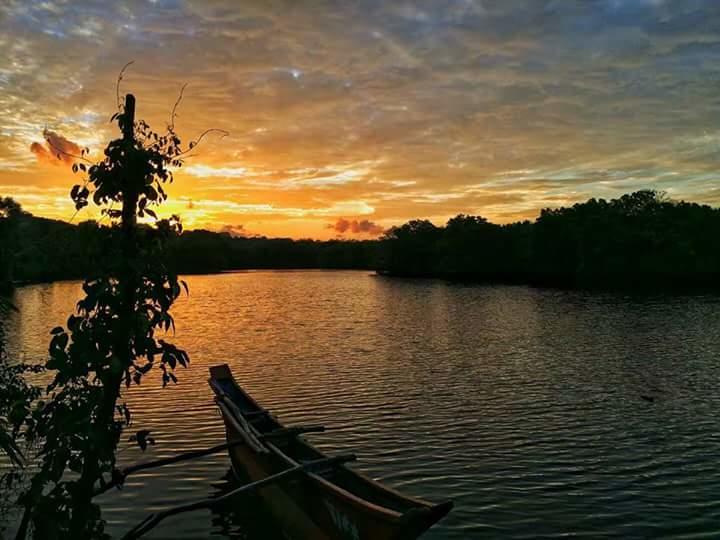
110, 342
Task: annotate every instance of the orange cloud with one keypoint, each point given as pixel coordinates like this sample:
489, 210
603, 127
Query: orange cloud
57, 149
364, 226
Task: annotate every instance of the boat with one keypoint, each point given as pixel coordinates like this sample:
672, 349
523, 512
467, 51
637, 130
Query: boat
328, 502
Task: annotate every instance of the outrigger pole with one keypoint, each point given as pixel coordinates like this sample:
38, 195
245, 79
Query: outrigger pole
154, 519
119, 475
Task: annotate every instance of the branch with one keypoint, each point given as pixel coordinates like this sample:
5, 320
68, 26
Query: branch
117, 86
120, 475
61, 151
171, 126
153, 520
193, 144
72, 218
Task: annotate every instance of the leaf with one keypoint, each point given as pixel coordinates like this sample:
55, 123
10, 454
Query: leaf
10, 447
142, 438
183, 358
59, 341
144, 369
151, 213
125, 412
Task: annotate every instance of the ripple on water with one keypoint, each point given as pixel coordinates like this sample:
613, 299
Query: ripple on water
522, 405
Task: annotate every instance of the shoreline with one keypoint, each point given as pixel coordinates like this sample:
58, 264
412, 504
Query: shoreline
614, 283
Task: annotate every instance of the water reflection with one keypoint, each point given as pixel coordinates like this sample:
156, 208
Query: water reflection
244, 516
523, 405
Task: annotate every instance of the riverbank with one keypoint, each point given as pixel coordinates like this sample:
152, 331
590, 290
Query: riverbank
648, 283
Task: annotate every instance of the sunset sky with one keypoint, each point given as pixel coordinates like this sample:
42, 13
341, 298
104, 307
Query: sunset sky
349, 117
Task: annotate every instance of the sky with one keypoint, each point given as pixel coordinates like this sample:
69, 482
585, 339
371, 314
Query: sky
348, 117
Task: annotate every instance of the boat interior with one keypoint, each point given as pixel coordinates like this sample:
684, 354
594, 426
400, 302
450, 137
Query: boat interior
300, 451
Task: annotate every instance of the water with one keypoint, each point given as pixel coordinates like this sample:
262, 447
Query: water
521, 405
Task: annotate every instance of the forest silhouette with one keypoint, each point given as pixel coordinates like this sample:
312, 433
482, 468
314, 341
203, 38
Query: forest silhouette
640, 240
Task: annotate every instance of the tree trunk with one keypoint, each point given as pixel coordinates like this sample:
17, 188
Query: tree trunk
127, 283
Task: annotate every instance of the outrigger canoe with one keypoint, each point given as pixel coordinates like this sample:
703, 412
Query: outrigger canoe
325, 502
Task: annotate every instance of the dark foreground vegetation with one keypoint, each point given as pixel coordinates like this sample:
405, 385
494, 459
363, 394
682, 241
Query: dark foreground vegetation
641, 239
71, 428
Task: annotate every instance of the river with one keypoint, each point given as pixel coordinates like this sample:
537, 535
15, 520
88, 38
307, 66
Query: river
522, 405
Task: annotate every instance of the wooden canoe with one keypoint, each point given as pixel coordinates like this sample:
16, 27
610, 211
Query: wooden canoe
336, 503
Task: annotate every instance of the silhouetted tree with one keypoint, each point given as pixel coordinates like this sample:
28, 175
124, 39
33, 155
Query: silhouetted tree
638, 240
411, 248
110, 342
57, 250
10, 215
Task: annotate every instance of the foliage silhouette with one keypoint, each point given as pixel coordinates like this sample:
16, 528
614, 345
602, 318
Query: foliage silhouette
52, 250
15, 398
111, 341
641, 239
16, 393
10, 216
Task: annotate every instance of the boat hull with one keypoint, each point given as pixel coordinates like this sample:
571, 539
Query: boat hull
309, 505
303, 509
290, 516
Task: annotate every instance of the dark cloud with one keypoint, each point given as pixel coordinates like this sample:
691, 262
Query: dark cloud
355, 226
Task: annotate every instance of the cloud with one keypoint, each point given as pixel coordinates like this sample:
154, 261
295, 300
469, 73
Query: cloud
205, 171
354, 226
235, 231
389, 109
56, 150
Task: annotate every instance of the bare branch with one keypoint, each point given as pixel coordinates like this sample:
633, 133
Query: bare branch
63, 152
195, 143
171, 126
72, 218
117, 86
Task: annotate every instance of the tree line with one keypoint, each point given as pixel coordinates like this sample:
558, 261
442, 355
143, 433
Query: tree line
642, 239
35, 249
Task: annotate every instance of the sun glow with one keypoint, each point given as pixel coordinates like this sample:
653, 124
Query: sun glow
398, 112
